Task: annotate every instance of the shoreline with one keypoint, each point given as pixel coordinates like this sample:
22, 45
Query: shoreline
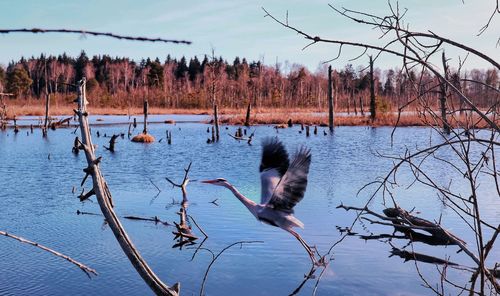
259, 116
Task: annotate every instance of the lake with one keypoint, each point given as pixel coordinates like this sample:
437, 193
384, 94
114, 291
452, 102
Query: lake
36, 201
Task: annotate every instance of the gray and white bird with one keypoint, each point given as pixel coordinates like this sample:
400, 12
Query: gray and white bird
283, 186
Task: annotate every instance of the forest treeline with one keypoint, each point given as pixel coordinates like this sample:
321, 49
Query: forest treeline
194, 83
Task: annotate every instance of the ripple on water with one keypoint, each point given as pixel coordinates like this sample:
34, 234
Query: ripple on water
37, 203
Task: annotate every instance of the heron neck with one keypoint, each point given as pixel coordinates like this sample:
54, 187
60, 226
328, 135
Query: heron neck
250, 204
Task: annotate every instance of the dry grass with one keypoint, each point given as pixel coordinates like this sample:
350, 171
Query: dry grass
280, 119
37, 108
143, 138
276, 116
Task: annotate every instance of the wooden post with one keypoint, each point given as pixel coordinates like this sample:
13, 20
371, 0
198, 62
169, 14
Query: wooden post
373, 106
442, 99
104, 198
146, 105
247, 119
216, 123
330, 99
307, 131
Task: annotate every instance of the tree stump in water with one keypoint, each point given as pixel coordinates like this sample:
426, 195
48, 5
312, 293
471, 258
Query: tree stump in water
144, 137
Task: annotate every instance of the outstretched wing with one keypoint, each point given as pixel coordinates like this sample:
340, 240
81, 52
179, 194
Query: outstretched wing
292, 186
273, 166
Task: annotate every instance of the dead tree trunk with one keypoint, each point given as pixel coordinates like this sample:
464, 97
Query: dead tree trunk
373, 106
104, 198
47, 105
247, 119
330, 99
146, 105
442, 99
216, 123
348, 99
361, 107
354, 102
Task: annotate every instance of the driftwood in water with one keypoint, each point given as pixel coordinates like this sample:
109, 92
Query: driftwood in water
112, 142
55, 125
154, 219
402, 221
406, 223
407, 256
436, 231
82, 266
104, 199
183, 233
242, 138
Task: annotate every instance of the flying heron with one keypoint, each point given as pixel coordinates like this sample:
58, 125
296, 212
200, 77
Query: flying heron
283, 186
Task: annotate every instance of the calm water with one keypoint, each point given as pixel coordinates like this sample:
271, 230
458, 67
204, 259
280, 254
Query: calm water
37, 202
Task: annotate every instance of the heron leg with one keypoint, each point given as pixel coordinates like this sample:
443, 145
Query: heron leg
305, 245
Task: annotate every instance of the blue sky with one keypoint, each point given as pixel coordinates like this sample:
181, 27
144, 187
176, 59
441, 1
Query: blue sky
233, 28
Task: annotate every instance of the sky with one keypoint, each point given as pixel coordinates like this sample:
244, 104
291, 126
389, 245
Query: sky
236, 28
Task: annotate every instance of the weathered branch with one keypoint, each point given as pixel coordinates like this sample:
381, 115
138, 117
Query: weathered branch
82, 266
93, 33
215, 257
105, 202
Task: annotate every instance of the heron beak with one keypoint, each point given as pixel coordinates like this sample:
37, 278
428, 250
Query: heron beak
209, 181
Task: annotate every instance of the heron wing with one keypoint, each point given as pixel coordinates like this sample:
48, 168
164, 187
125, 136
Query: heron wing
269, 180
274, 156
273, 166
292, 186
